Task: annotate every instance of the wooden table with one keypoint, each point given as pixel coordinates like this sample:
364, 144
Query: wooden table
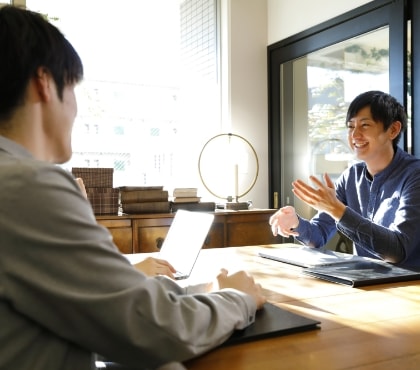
376, 327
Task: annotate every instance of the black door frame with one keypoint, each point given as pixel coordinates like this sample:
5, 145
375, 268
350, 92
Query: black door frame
366, 18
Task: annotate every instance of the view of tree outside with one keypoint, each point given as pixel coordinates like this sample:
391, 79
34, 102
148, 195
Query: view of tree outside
335, 76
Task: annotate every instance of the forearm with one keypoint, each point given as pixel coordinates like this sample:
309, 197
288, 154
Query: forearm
317, 231
384, 242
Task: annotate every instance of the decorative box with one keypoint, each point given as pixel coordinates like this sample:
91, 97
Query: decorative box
104, 201
95, 177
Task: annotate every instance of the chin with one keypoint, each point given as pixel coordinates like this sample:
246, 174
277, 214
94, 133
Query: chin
63, 158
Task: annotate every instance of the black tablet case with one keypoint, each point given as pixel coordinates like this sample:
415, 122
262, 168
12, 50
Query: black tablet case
272, 321
362, 273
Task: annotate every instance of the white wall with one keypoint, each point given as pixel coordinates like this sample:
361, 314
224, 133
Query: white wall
247, 84
286, 18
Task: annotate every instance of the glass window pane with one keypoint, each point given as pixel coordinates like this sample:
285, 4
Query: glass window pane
336, 75
319, 90
150, 98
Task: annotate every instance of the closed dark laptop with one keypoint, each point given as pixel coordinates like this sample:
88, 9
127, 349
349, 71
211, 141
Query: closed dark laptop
272, 321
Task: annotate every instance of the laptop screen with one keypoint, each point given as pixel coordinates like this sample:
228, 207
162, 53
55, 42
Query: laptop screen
185, 239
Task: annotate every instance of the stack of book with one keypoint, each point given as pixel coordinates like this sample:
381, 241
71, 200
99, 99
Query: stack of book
185, 195
144, 199
188, 199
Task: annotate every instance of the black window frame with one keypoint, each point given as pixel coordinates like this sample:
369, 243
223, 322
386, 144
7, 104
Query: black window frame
366, 18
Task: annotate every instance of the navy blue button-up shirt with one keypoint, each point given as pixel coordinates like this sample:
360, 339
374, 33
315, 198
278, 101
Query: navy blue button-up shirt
382, 217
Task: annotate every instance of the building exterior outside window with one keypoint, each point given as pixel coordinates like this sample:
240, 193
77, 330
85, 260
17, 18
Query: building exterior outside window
150, 98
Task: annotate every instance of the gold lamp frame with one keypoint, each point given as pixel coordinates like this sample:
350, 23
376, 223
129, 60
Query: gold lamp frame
235, 199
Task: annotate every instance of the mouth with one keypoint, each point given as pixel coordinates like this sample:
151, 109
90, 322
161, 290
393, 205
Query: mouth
360, 145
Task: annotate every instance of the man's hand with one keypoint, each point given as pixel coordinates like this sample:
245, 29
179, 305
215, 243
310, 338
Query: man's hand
322, 197
244, 282
284, 221
154, 266
82, 186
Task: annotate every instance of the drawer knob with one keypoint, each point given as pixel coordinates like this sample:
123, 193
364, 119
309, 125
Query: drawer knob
159, 242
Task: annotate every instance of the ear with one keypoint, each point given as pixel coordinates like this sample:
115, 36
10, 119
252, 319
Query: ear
395, 129
43, 84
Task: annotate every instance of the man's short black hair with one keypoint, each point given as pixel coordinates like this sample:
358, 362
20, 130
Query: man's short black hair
383, 107
29, 42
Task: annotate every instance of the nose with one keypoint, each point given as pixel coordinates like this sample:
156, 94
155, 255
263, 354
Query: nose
355, 132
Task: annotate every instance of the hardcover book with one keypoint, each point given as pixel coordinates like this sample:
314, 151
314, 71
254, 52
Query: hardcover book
134, 188
146, 207
200, 206
138, 196
185, 192
186, 199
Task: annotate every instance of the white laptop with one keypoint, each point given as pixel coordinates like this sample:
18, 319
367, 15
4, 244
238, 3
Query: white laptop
184, 240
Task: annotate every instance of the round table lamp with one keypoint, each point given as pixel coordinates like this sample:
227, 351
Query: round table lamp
228, 167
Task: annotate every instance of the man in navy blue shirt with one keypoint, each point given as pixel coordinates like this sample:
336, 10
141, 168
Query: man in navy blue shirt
375, 202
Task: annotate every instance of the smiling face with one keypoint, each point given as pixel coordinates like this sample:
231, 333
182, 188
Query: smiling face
370, 142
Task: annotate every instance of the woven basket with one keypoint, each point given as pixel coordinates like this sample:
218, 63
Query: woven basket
104, 201
95, 177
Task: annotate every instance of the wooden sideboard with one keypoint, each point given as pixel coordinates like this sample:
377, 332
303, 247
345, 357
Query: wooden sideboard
146, 232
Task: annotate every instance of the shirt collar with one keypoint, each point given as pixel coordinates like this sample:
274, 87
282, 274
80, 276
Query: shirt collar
390, 168
13, 148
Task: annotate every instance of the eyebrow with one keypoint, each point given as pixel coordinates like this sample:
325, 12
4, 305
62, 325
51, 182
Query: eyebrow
361, 119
